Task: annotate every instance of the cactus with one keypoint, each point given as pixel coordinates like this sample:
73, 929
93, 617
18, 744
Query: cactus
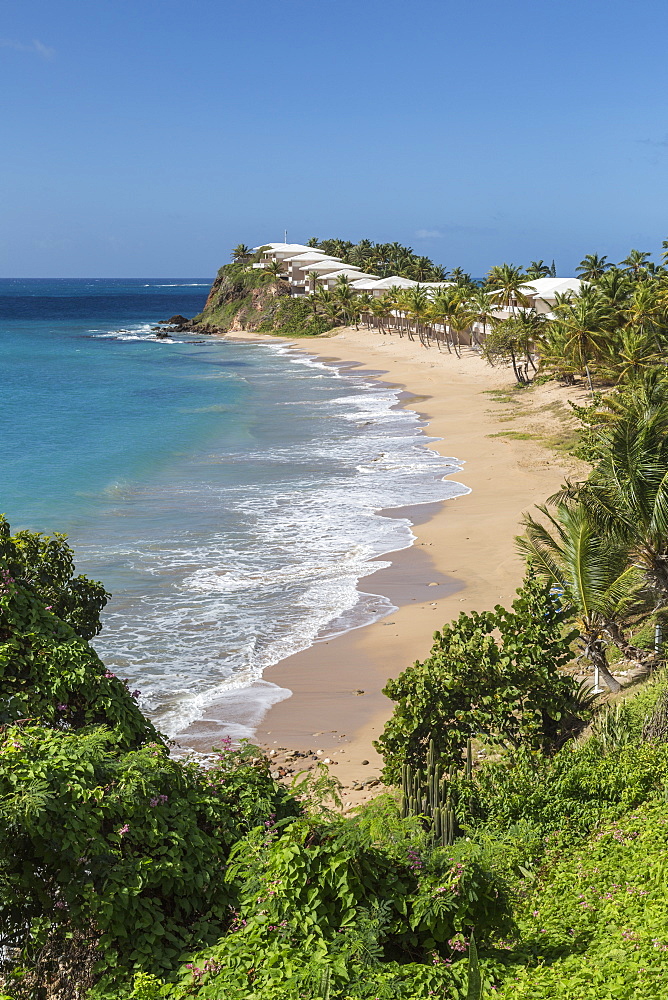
429, 794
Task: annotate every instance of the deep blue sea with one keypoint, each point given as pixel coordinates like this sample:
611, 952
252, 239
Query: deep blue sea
225, 493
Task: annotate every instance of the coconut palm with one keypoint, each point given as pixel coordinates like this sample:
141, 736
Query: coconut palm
451, 309
241, 253
274, 273
597, 585
418, 306
345, 297
313, 281
508, 282
365, 302
482, 307
629, 354
592, 267
538, 269
646, 307
582, 325
626, 494
461, 277
636, 262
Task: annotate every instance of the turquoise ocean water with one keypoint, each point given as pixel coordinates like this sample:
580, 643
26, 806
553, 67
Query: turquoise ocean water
227, 494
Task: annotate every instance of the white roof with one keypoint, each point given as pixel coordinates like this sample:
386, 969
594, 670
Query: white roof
290, 250
548, 287
271, 246
369, 281
350, 272
312, 255
332, 264
395, 282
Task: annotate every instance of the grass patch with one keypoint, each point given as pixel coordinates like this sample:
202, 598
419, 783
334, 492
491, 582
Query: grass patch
515, 435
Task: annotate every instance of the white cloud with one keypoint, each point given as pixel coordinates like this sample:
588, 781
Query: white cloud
428, 234
36, 47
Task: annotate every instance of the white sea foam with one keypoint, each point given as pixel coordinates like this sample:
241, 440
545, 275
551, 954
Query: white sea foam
234, 572
142, 331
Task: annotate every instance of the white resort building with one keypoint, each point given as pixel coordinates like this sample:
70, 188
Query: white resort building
306, 269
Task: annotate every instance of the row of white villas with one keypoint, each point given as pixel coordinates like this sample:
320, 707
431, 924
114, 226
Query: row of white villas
304, 266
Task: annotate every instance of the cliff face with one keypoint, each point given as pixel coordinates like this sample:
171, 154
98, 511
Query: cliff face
243, 298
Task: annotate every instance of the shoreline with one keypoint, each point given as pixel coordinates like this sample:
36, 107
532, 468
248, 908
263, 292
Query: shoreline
463, 556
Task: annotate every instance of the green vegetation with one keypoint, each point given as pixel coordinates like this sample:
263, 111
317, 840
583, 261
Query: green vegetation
520, 852
126, 873
387, 259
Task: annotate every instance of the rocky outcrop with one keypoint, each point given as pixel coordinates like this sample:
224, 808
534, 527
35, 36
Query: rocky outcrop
246, 298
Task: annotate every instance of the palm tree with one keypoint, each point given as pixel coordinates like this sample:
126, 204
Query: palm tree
630, 354
460, 277
344, 296
365, 302
421, 268
507, 282
592, 267
583, 324
626, 494
482, 308
274, 272
418, 305
538, 269
596, 583
241, 253
449, 308
313, 281
636, 262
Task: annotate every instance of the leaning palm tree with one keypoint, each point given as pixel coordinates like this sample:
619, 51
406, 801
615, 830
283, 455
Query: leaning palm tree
483, 309
596, 583
418, 306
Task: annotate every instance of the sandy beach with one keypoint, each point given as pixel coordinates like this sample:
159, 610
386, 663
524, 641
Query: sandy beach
507, 443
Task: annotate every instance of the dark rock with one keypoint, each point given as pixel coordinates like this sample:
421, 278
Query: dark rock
177, 320
365, 761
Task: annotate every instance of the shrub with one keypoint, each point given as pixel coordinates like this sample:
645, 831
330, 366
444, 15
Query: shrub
127, 848
509, 690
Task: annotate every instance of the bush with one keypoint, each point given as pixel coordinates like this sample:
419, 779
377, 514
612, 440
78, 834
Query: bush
509, 690
48, 673
127, 848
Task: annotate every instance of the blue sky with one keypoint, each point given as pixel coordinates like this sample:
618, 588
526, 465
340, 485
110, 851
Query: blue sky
148, 137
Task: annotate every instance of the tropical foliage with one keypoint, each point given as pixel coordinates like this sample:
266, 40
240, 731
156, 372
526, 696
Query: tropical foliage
493, 674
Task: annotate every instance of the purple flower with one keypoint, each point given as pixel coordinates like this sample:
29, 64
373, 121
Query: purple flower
109, 674
61, 708
135, 694
123, 830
